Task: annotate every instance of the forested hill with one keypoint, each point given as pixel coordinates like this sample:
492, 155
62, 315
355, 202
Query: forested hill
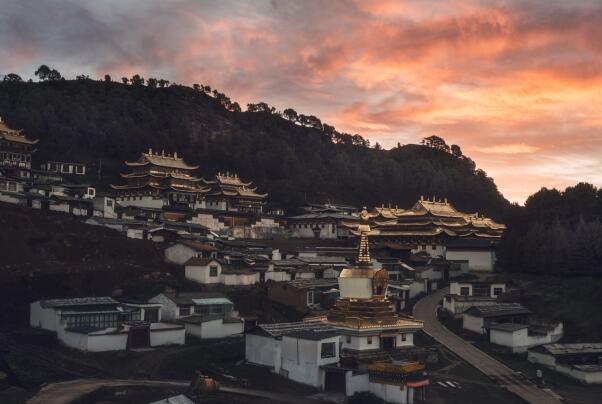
294, 158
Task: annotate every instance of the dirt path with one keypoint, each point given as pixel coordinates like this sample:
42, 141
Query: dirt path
425, 310
66, 392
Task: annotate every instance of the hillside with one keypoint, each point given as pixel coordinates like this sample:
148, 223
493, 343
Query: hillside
48, 255
108, 122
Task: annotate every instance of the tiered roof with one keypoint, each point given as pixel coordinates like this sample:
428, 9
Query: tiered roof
430, 218
161, 160
13, 135
161, 172
226, 184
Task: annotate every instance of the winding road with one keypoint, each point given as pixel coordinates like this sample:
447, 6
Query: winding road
66, 392
425, 310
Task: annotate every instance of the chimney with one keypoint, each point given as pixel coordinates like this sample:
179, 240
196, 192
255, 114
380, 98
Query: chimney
175, 155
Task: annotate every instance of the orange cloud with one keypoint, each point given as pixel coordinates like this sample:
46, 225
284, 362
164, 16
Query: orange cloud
516, 148
516, 84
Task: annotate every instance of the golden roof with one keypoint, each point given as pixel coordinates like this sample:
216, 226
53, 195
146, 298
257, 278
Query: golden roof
439, 208
13, 135
228, 179
162, 160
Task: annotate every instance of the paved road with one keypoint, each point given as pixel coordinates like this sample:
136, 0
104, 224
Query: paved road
425, 310
66, 392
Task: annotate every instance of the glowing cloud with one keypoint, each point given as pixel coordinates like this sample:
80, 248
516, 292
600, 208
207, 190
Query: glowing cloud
516, 84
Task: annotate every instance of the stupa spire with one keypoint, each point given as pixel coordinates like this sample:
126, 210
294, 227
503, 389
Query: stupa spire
363, 249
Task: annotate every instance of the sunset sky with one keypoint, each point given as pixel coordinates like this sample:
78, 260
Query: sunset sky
517, 84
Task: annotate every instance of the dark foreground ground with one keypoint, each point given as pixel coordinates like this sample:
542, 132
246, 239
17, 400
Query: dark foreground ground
32, 358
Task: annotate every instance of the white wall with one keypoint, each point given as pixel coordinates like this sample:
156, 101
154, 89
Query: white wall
240, 279
456, 307
179, 254
550, 361
169, 310
107, 342
360, 343
474, 324
200, 273
391, 394
45, 318
301, 358
143, 202
520, 340
167, 336
278, 276
478, 260
209, 221
454, 288
214, 329
94, 342
263, 350
355, 287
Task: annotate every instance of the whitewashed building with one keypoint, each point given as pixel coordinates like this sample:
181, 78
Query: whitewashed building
204, 315
520, 337
212, 271
579, 361
361, 329
480, 253
184, 250
479, 319
98, 324
463, 295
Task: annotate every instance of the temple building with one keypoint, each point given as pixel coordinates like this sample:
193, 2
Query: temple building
15, 158
363, 315
160, 179
360, 345
436, 228
229, 193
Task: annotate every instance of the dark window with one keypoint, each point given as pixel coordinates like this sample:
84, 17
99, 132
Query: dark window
151, 315
369, 339
464, 291
328, 350
404, 337
498, 291
348, 339
213, 270
184, 311
310, 297
424, 247
434, 246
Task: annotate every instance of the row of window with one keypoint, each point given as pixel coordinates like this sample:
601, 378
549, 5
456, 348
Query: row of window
66, 168
8, 186
15, 156
369, 338
99, 320
433, 247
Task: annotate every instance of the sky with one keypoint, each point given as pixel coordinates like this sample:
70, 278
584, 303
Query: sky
517, 84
